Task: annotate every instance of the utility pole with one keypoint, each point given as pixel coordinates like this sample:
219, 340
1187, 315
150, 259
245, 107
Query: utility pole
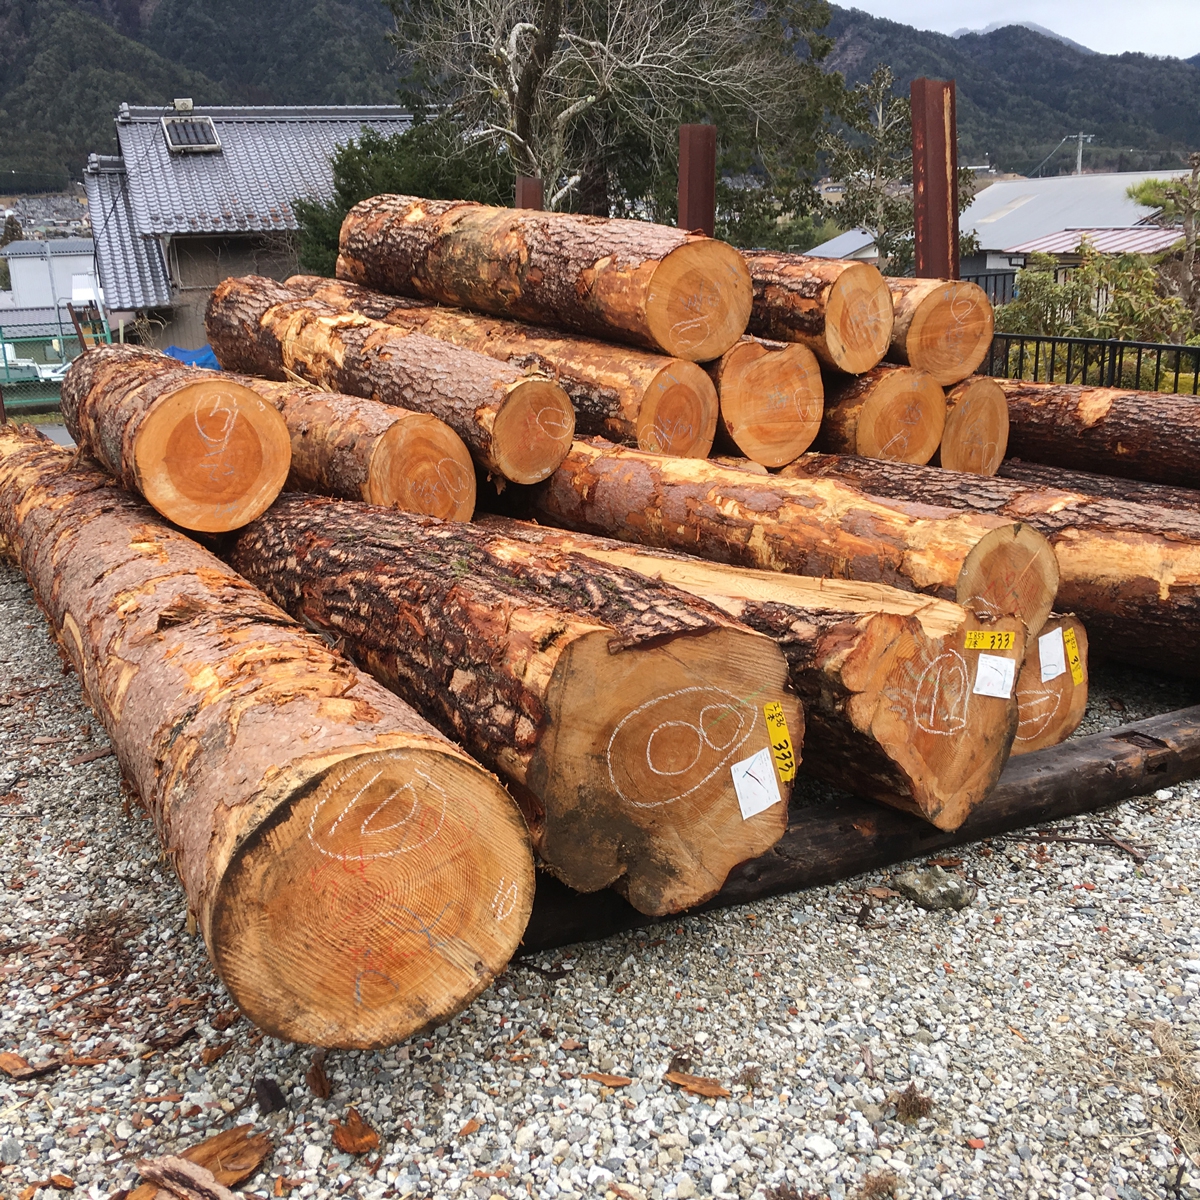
1081, 137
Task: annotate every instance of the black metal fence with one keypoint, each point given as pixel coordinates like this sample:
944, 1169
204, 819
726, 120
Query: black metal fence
1146, 366
999, 285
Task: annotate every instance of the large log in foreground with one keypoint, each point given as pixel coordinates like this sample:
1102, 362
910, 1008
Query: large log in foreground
516, 426
943, 326
989, 565
1130, 572
839, 839
1141, 435
665, 405
889, 680
896, 413
628, 281
205, 451
621, 711
840, 310
356, 877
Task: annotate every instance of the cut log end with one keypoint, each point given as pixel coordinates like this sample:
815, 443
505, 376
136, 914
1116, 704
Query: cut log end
678, 414
533, 431
699, 299
652, 730
903, 418
1011, 571
858, 319
1052, 691
420, 465
976, 434
212, 456
950, 331
398, 852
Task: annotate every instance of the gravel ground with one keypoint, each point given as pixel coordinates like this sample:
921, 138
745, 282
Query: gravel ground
1041, 1043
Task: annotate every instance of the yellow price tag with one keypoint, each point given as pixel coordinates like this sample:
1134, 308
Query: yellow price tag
781, 741
1074, 659
991, 639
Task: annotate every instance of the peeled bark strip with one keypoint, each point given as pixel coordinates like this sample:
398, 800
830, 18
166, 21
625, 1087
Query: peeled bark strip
1052, 690
359, 449
886, 677
772, 399
991, 566
356, 877
897, 413
516, 426
1129, 571
664, 405
205, 451
976, 435
943, 326
629, 281
616, 708
1110, 487
1140, 435
841, 310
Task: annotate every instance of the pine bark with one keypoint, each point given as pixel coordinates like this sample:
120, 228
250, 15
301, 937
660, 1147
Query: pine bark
885, 676
942, 326
821, 528
205, 451
1130, 571
1052, 689
596, 694
664, 405
248, 741
1110, 487
629, 281
896, 413
1138, 435
840, 309
516, 426
976, 435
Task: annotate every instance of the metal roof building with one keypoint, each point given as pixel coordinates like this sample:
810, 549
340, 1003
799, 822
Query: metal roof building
1136, 239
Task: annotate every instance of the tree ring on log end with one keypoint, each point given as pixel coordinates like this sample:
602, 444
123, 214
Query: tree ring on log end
421, 465
212, 456
976, 435
903, 418
678, 414
858, 319
377, 902
774, 404
1010, 571
533, 431
951, 331
698, 300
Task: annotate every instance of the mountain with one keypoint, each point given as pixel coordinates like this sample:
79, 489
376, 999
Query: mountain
1058, 37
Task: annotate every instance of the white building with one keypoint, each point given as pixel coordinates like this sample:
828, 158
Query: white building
51, 274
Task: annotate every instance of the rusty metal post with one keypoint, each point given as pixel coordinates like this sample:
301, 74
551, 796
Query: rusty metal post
698, 178
3, 414
935, 178
530, 193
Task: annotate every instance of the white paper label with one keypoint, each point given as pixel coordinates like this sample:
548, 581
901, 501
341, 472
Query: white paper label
1052, 655
995, 676
755, 783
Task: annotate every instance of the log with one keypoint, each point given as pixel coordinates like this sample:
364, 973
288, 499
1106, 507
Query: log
1129, 571
205, 451
772, 399
839, 839
357, 878
627, 281
943, 326
359, 449
1138, 435
516, 426
665, 405
976, 435
1052, 689
886, 677
619, 710
821, 528
841, 310
897, 413
1111, 487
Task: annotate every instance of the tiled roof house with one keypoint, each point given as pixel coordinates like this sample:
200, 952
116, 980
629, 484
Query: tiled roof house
199, 194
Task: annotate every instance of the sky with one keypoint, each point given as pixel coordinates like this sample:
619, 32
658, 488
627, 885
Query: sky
1107, 26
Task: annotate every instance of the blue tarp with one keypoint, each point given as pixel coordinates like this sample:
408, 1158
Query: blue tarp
204, 357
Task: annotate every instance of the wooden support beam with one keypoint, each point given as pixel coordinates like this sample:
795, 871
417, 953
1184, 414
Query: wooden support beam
846, 837
698, 178
935, 178
530, 192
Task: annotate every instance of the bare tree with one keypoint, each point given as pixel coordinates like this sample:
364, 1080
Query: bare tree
556, 83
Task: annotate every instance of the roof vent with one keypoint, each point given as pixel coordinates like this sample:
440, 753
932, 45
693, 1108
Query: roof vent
191, 135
